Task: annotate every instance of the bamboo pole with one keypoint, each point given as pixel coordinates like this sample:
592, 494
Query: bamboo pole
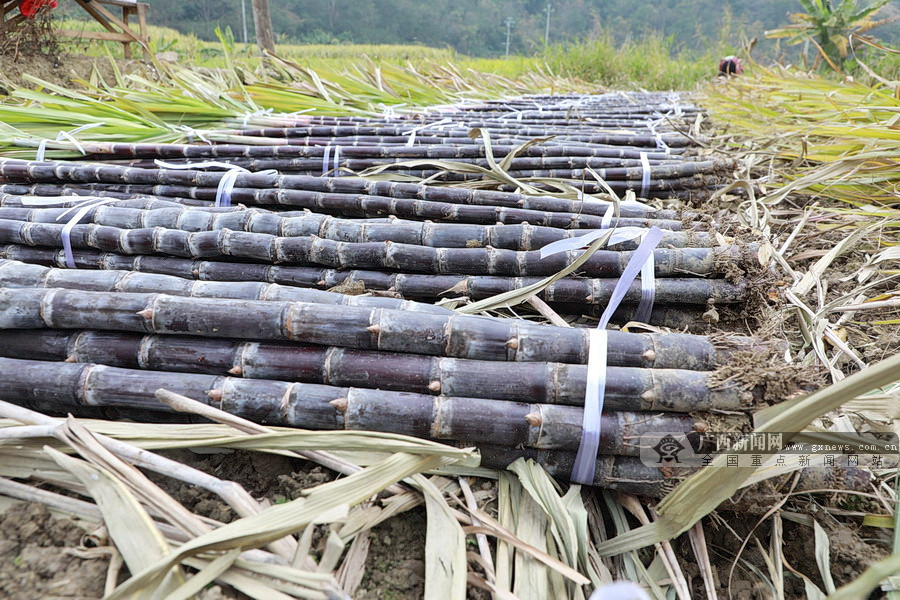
64, 387
456, 335
627, 388
310, 250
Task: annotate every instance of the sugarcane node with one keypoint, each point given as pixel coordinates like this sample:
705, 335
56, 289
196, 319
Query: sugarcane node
589, 299
435, 386
236, 370
701, 426
71, 358
376, 329
649, 355
534, 419
512, 343
321, 283
650, 396
147, 313
340, 404
215, 395
520, 202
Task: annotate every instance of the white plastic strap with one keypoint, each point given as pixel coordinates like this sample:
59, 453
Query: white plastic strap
191, 133
621, 234
648, 290
66, 135
206, 164
412, 132
226, 183
336, 171
325, 158
652, 125
81, 204
67, 229
586, 457
41, 149
258, 113
645, 174
608, 216
635, 264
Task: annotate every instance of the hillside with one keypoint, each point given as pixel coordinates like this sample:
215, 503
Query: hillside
477, 27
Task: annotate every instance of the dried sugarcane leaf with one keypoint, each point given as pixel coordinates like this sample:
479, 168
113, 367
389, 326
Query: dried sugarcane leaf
514, 297
532, 580
263, 581
325, 503
445, 546
206, 575
130, 527
566, 514
823, 558
702, 492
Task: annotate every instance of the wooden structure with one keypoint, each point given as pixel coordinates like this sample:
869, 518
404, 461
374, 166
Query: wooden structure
118, 29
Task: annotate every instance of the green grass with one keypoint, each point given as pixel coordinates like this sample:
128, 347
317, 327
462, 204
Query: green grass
193, 51
650, 62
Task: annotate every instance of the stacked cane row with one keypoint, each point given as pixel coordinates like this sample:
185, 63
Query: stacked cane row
636, 141
329, 361
228, 304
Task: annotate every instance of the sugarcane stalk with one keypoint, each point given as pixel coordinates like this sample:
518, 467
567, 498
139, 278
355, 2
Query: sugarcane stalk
627, 388
310, 250
38, 172
360, 205
18, 274
521, 237
456, 335
627, 474
440, 151
402, 141
62, 387
585, 134
569, 290
608, 169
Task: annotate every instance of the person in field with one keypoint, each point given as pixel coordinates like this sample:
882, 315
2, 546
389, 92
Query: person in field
730, 66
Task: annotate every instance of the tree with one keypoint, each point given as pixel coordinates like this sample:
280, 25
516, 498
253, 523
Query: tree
262, 22
829, 28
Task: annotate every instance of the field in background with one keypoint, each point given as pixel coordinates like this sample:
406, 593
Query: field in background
648, 62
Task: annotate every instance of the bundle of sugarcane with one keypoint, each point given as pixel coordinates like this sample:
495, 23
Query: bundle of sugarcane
534, 405
447, 235
58, 172
369, 206
435, 334
103, 391
470, 151
402, 257
627, 388
679, 302
311, 161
